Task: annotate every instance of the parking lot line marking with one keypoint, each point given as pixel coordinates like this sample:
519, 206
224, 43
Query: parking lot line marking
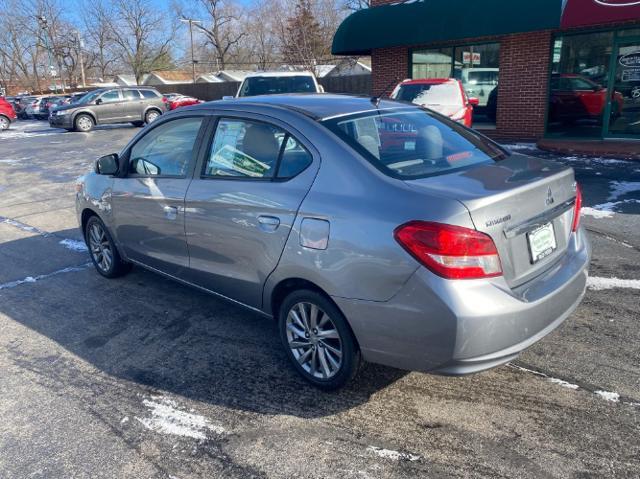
33, 279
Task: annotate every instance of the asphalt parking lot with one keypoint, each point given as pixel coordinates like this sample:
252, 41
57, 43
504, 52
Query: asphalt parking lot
144, 378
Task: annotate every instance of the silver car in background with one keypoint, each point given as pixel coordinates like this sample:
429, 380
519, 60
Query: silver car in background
371, 230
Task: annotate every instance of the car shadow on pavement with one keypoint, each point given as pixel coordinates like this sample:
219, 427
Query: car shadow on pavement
171, 338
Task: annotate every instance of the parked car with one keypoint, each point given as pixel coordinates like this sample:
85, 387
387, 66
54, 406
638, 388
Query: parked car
46, 106
445, 253
7, 114
32, 108
71, 98
180, 101
270, 83
137, 105
480, 82
172, 96
575, 97
443, 95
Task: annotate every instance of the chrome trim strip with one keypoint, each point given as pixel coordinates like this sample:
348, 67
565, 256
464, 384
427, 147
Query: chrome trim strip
201, 288
539, 220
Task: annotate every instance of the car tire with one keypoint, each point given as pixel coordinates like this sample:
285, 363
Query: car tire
328, 356
151, 116
5, 123
137, 124
103, 251
83, 123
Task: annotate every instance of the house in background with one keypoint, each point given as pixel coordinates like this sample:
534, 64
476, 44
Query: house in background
208, 78
168, 77
128, 80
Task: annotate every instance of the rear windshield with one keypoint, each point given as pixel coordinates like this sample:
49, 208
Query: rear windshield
411, 143
436, 94
273, 85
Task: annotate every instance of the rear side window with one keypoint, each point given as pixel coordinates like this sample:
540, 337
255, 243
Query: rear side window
251, 149
130, 95
149, 94
411, 143
166, 150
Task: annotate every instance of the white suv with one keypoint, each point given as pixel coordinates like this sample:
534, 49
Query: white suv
271, 83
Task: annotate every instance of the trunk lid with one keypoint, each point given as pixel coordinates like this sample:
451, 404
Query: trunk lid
509, 200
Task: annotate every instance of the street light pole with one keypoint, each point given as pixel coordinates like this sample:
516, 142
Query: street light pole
191, 21
42, 21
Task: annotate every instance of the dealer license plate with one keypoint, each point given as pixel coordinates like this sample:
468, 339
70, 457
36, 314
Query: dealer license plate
542, 242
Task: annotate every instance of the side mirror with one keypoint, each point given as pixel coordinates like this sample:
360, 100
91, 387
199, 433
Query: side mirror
474, 101
107, 165
98, 101
228, 97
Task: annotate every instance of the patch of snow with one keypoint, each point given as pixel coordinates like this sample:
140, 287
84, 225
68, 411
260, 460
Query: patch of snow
598, 284
124, 420
74, 245
610, 205
622, 188
599, 214
393, 455
609, 396
564, 384
32, 279
166, 418
520, 146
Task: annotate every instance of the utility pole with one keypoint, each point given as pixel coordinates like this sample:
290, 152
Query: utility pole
191, 21
44, 24
80, 55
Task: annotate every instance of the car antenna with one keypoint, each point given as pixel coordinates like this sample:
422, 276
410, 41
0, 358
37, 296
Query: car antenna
376, 99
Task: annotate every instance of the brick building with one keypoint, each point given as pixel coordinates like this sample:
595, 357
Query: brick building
565, 69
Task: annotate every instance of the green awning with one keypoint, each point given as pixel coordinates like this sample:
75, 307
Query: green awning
429, 21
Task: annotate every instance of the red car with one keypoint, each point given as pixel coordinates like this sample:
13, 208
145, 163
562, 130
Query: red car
443, 95
7, 114
179, 101
574, 97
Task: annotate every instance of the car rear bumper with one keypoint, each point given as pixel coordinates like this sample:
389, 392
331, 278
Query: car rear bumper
463, 327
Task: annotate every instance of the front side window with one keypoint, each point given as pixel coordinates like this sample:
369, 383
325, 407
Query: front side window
411, 143
166, 150
110, 96
255, 86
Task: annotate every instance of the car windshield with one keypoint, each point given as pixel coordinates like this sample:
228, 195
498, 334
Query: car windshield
412, 143
273, 85
431, 94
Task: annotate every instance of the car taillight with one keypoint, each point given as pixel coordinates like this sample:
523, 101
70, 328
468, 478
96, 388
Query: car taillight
576, 209
165, 99
452, 252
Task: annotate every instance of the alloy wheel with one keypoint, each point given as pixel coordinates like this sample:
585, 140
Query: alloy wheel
152, 116
100, 247
84, 123
4, 123
314, 340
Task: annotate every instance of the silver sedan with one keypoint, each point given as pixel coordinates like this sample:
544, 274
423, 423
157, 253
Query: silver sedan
370, 230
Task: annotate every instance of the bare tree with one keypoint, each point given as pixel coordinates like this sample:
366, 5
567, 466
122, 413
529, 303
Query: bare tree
142, 36
355, 5
102, 57
220, 26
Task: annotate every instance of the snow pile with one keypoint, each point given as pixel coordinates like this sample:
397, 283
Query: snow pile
609, 396
598, 284
166, 418
622, 188
564, 384
598, 214
32, 279
393, 455
74, 245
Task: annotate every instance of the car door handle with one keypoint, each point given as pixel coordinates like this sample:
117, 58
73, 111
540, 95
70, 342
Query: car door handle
268, 223
170, 212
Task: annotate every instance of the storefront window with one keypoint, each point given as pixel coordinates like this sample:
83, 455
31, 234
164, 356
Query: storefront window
578, 94
476, 66
433, 63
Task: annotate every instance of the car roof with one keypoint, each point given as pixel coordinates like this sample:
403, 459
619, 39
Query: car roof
319, 106
430, 81
279, 74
